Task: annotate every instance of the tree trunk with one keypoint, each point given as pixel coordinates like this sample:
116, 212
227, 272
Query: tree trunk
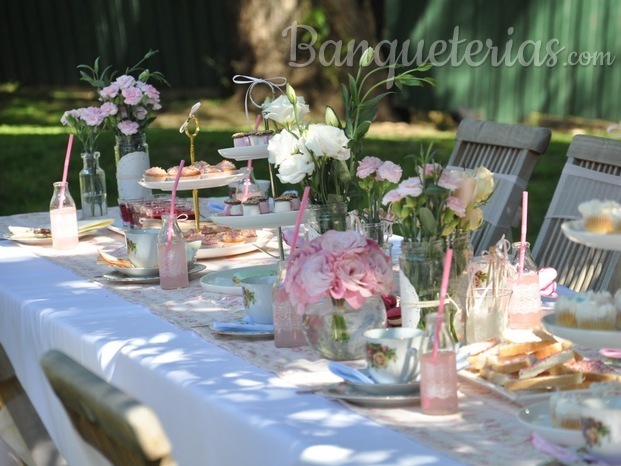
267, 46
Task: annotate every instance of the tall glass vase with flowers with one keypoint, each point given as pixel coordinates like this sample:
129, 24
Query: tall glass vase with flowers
325, 156
336, 281
376, 178
433, 209
134, 101
87, 124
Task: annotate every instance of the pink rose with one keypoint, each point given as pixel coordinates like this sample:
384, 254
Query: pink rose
389, 171
128, 127
367, 166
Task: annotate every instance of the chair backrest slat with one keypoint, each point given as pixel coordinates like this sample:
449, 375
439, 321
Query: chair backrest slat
581, 267
504, 149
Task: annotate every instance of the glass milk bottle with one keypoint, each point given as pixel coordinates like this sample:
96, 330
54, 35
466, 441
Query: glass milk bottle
63, 218
171, 255
288, 331
438, 372
525, 305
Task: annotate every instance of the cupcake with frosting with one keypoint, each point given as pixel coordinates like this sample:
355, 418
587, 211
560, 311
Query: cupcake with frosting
251, 206
565, 311
226, 166
155, 174
593, 316
598, 216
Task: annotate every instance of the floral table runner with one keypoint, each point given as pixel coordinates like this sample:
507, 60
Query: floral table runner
484, 432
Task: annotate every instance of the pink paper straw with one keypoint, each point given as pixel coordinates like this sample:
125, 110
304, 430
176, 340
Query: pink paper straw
247, 181
296, 230
523, 232
257, 122
443, 290
66, 169
172, 205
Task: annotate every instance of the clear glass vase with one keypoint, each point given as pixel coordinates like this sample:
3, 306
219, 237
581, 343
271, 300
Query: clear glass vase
420, 276
93, 187
335, 329
131, 154
324, 217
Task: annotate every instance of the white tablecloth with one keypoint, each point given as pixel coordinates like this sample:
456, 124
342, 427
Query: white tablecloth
217, 408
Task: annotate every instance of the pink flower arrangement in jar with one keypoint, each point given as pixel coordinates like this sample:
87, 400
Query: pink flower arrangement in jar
342, 266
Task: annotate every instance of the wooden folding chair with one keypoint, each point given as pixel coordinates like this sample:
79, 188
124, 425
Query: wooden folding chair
592, 171
21, 427
510, 152
125, 431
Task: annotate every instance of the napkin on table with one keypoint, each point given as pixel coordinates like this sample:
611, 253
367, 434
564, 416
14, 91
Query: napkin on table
246, 325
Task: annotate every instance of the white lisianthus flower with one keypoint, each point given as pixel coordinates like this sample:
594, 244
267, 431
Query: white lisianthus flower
295, 168
282, 146
327, 141
283, 112
290, 156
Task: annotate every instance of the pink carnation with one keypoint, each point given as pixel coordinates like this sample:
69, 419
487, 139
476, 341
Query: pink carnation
125, 81
389, 171
93, 116
109, 92
394, 195
450, 180
141, 113
109, 108
132, 95
430, 169
128, 127
367, 166
411, 187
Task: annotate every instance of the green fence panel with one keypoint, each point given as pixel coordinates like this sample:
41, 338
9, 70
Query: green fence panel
510, 91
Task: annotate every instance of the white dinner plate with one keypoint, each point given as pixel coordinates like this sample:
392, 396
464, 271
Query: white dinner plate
245, 153
537, 417
122, 278
574, 230
85, 228
347, 392
227, 281
272, 220
262, 238
594, 339
201, 183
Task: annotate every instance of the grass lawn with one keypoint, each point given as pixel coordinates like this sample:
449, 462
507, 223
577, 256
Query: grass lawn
33, 142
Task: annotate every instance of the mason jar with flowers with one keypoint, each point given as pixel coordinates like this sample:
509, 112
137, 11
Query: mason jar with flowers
336, 282
135, 101
87, 124
436, 209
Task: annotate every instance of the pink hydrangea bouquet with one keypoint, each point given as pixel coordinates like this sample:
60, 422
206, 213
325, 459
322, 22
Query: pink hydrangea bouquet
342, 266
88, 123
438, 201
133, 99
